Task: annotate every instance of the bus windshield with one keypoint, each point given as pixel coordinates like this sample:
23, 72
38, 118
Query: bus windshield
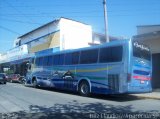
141, 51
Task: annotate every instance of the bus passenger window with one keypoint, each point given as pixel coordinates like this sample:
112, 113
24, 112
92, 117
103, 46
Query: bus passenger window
41, 61
72, 58
32, 61
117, 53
111, 54
75, 57
68, 59
37, 61
45, 61
50, 61
58, 59
89, 56
61, 59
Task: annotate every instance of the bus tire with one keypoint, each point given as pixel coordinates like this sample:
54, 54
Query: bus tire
84, 89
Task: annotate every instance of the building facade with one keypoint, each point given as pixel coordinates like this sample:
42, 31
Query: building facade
60, 34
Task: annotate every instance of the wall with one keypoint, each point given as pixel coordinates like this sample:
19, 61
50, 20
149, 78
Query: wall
156, 70
74, 34
154, 45
65, 34
50, 41
41, 32
147, 29
55, 40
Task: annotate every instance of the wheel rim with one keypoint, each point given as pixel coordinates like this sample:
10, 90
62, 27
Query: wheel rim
84, 89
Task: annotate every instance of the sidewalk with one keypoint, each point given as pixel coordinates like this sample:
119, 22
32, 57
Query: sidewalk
155, 94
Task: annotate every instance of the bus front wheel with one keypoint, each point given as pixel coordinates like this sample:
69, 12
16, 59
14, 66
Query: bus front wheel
84, 89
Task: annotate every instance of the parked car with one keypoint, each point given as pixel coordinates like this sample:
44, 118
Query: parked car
15, 78
3, 78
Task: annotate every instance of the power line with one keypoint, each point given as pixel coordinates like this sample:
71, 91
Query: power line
82, 4
7, 29
18, 11
141, 11
49, 5
25, 22
92, 11
12, 31
60, 12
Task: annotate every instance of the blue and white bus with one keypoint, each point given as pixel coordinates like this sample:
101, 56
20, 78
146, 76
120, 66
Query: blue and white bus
113, 68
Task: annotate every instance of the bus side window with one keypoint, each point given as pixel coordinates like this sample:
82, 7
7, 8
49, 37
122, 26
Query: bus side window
68, 59
72, 58
32, 61
45, 61
89, 56
50, 61
105, 55
41, 61
37, 61
58, 59
111, 54
117, 53
61, 59
75, 57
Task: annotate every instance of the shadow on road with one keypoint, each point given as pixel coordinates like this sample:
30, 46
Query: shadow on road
116, 97
73, 110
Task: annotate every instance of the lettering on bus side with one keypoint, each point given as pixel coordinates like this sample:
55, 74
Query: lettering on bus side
137, 45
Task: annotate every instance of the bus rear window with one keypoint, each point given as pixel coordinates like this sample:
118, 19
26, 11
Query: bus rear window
141, 51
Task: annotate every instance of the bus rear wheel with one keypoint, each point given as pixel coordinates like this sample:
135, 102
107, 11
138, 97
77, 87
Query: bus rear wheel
84, 89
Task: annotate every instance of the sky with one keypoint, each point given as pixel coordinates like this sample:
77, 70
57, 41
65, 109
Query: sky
18, 17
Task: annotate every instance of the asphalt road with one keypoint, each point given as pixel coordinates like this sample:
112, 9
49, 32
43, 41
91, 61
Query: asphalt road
17, 100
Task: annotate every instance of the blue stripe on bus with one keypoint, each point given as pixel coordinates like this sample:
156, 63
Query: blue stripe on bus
141, 72
64, 80
100, 84
141, 66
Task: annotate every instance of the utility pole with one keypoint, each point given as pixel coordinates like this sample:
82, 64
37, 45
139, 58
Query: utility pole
106, 21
